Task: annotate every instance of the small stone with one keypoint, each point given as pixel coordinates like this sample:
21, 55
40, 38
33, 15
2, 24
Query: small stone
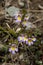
21, 56
39, 62
21, 3
41, 41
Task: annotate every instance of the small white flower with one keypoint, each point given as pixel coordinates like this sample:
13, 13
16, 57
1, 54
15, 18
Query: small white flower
20, 38
18, 19
29, 42
27, 16
13, 49
28, 25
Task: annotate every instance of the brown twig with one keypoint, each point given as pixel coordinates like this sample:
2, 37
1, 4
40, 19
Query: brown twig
35, 10
37, 20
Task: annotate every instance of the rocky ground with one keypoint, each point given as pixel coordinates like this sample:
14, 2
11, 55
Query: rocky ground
11, 29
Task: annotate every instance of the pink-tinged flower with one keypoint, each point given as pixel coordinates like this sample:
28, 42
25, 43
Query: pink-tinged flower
13, 49
18, 19
29, 42
33, 39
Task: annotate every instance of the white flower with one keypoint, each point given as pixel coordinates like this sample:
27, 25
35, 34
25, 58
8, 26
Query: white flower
27, 16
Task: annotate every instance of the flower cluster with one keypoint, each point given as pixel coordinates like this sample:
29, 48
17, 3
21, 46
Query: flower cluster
13, 49
28, 41
18, 18
22, 39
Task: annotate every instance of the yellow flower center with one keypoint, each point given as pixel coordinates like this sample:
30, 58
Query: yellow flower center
29, 41
25, 39
19, 18
13, 48
20, 38
24, 22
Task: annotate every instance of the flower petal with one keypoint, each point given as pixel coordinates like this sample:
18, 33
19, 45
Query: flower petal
13, 52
